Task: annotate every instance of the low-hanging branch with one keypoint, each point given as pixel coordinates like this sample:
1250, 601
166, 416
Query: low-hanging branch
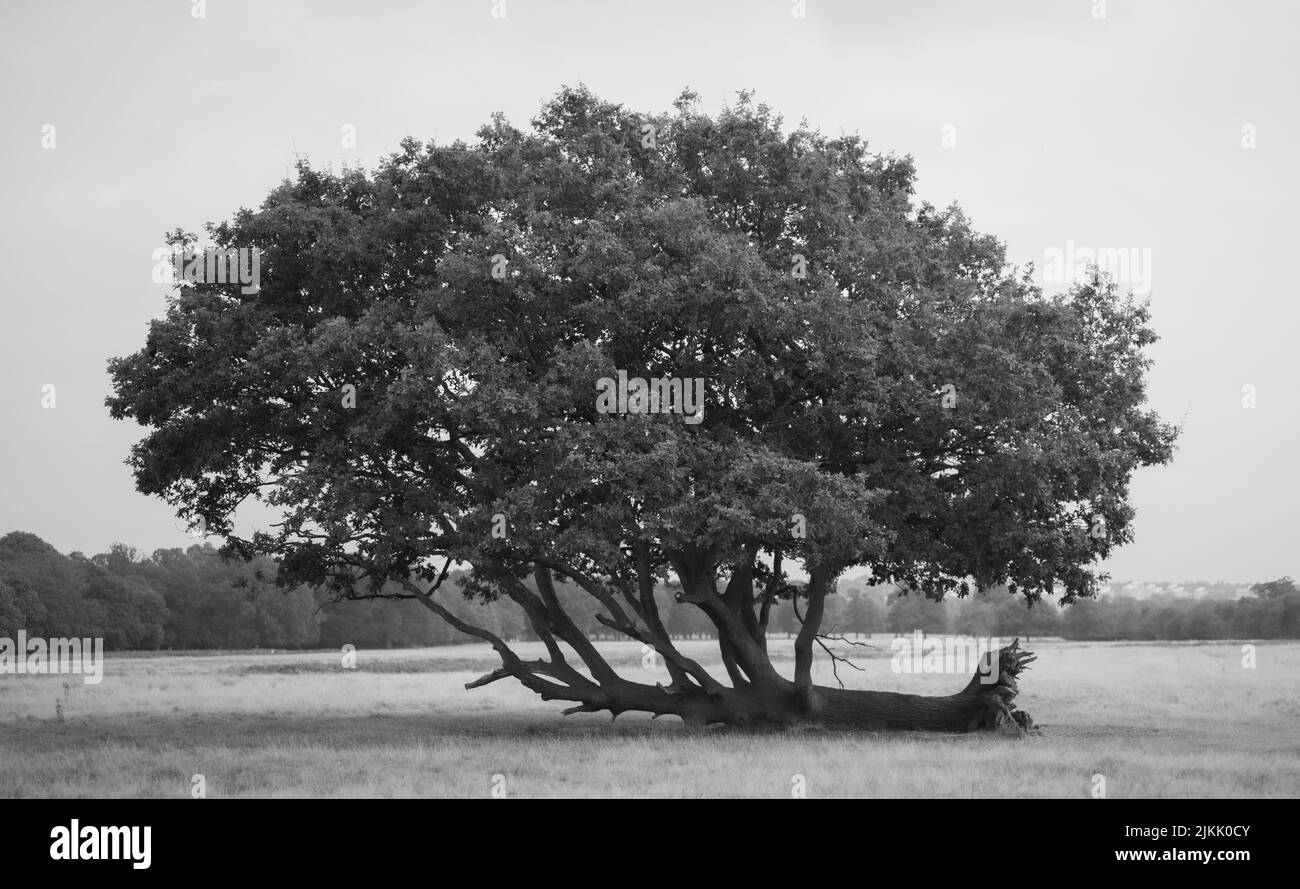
699, 698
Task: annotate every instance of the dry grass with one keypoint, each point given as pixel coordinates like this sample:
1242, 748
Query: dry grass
1158, 720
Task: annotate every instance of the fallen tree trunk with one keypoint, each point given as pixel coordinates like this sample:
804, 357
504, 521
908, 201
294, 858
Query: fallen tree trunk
982, 705
986, 703
758, 696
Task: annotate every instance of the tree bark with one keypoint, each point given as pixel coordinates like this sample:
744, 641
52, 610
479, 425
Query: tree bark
985, 704
759, 696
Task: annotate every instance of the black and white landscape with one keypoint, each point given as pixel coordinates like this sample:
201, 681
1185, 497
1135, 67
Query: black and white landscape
510, 399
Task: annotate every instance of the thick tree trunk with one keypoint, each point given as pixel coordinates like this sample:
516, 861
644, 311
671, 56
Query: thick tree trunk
758, 695
985, 704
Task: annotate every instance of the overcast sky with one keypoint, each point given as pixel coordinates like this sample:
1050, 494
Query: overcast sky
1047, 123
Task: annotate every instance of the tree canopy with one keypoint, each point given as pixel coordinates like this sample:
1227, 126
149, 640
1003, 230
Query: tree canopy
415, 384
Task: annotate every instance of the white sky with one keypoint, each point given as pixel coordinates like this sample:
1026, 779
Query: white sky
1124, 131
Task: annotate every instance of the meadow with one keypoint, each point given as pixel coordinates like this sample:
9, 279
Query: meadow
1155, 719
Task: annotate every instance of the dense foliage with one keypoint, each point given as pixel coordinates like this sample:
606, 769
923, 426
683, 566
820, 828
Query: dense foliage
414, 387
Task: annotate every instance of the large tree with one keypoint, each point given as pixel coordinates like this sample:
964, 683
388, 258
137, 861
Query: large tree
415, 386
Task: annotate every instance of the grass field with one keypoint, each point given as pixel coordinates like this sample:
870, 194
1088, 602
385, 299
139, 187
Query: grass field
1156, 719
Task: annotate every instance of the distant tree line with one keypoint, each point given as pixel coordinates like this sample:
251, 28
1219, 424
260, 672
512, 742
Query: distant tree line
196, 599
1272, 612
